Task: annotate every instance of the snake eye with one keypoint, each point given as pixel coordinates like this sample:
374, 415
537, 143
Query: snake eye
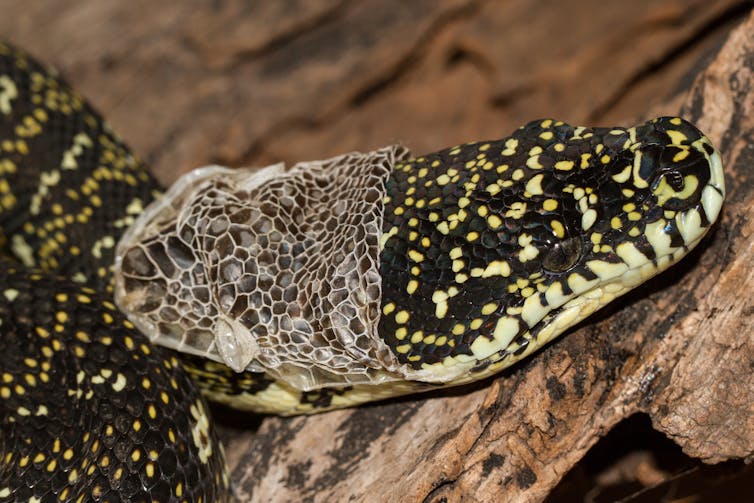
563, 255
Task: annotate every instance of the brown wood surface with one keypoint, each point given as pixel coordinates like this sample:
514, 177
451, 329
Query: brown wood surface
193, 83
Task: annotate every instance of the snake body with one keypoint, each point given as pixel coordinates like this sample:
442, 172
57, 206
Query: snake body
487, 251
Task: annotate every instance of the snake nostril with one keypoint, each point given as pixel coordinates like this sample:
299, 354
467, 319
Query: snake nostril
674, 179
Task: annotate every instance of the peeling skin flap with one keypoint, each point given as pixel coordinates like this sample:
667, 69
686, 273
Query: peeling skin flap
267, 270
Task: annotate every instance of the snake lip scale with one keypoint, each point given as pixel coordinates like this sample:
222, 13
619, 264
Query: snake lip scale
333, 283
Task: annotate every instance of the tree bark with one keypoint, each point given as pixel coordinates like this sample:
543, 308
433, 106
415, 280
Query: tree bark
237, 83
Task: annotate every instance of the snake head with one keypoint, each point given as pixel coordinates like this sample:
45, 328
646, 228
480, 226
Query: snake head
556, 221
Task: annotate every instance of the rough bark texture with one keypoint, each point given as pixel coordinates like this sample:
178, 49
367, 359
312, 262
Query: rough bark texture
192, 83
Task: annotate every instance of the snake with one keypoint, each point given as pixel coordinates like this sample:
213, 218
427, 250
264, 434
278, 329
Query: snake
334, 283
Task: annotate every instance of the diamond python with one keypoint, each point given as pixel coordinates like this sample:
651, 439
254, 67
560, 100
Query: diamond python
484, 252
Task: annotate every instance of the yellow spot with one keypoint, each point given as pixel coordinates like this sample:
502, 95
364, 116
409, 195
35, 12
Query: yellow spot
496, 268
533, 162
517, 210
82, 336
458, 265
588, 219
412, 286
120, 382
441, 309
557, 227
534, 185
676, 137
550, 205
528, 252
564, 165
681, 155
494, 221
402, 317
416, 256
510, 147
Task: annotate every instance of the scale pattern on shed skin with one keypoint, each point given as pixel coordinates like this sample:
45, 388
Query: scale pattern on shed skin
90, 409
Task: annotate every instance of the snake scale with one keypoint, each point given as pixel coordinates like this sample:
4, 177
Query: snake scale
483, 253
